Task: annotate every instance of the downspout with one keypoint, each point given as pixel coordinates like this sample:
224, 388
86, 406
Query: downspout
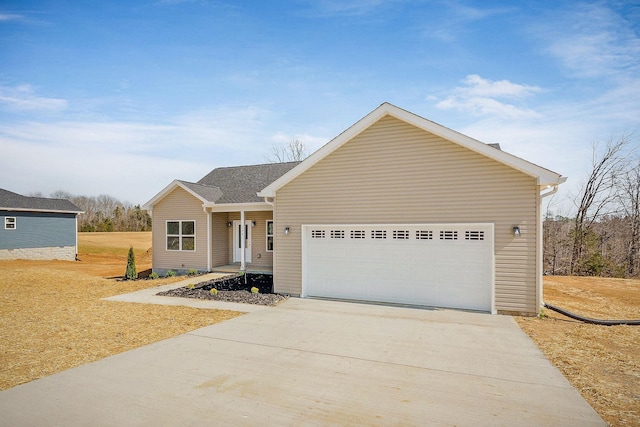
540, 247
269, 202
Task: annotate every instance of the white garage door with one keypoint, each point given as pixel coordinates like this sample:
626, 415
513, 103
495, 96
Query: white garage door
440, 265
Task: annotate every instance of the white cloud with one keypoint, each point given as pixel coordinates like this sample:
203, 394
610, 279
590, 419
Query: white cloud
592, 40
24, 98
134, 160
331, 8
478, 97
10, 17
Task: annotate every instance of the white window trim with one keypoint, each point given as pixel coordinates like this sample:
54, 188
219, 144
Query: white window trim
7, 222
272, 235
180, 235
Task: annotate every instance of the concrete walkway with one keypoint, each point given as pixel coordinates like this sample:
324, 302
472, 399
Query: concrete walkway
315, 362
149, 296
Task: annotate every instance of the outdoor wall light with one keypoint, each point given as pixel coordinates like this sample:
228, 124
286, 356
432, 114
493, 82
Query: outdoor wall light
253, 223
229, 224
286, 230
516, 231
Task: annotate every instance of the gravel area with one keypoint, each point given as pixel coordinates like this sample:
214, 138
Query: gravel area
228, 296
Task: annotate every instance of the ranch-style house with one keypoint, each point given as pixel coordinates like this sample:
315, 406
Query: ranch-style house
395, 209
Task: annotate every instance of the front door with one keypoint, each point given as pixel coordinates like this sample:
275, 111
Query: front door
237, 241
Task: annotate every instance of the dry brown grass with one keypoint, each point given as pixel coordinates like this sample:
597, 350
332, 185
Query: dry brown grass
602, 362
52, 317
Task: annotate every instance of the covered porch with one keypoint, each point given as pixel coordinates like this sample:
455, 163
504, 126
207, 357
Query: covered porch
241, 239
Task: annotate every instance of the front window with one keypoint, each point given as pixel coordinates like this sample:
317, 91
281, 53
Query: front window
269, 236
9, 223
181, 235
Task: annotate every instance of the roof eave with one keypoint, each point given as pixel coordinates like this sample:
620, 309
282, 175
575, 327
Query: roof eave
237, 207
39, 210
169, 188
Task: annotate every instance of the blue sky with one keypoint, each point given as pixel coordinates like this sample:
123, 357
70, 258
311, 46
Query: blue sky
122, 97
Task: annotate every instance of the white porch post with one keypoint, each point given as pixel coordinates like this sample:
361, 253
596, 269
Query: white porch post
208, 212
243, 242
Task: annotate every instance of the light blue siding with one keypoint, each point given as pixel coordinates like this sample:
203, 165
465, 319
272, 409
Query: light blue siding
38, 230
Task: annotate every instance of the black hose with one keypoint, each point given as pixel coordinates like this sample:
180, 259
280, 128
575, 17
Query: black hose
592, 321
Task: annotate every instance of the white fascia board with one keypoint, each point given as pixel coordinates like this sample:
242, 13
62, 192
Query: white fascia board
166, 190
543, 176
237, 207
325, 150
39, 210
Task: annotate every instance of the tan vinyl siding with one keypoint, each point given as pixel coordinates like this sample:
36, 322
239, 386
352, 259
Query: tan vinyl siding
259, 255
179, 205
394, 172
220, 239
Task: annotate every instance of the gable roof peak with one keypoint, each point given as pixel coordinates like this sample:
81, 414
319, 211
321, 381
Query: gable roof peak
543, 176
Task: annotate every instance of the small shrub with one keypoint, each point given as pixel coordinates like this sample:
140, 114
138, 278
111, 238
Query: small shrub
154, 276
190, 286
170, 273
213, 291
131, 273
255, 290
193, 272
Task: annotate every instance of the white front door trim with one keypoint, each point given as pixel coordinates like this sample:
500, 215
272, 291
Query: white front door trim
237, 241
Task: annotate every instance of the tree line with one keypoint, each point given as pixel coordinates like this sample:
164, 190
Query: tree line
106, 213
603, 237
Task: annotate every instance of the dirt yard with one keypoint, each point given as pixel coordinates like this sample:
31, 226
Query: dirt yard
602, 362
52, 317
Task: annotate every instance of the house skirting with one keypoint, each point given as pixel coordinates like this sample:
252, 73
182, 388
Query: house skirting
66, 253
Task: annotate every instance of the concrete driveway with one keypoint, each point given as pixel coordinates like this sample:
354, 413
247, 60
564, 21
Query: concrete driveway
314, 362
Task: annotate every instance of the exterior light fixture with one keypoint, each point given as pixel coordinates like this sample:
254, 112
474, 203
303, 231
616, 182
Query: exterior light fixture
253, 223
516, 231
286, 230
229, 224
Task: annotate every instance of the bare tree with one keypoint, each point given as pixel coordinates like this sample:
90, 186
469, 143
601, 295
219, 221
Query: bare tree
598, 193
556, 243
629, 198
293, 151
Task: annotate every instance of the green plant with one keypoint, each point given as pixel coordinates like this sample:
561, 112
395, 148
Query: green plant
190, 286
255, 290
170, 273
240, 273
154, 276
214, 291
193, 272
131, 273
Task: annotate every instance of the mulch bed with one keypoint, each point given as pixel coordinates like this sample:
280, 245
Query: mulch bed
228, 291
245, 297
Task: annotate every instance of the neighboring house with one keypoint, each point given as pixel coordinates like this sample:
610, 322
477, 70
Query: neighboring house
394, 209
37, 227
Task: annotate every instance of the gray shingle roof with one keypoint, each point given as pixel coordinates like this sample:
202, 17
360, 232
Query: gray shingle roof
207, 192
14, 201
240, 184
